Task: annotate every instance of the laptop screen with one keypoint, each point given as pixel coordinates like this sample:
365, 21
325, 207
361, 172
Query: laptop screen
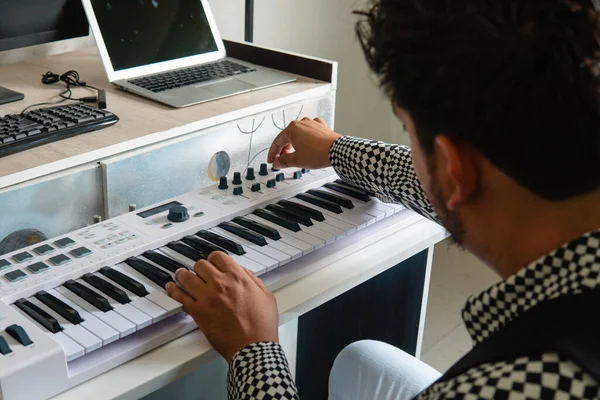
143, 32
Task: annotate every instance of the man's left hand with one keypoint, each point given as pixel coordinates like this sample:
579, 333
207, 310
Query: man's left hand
231, 306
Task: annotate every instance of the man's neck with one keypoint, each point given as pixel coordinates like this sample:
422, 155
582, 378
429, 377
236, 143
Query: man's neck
514, 237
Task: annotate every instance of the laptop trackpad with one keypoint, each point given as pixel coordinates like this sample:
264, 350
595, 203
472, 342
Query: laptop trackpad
228, 87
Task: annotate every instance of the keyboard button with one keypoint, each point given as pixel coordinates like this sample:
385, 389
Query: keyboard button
107, 288
64, 242
15, 276
157, 276
342, 201
80, 252
201, 245
163, 261
4, 264
346, 189
319, 202
244, 233
95, 299
125, 281
187, 251
276, 219
303, 210
258, 227
59, 306
38, 267
4, 347
289, 215
18, 333
98, 328
43, 250
60, 259
39, 315
22, 257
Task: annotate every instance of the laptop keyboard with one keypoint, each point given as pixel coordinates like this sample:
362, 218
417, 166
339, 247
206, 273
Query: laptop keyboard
191, 76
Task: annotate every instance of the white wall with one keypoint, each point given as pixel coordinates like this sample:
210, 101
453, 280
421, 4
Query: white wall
323, 29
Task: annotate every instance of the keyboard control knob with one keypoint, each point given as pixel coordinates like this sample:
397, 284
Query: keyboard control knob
305, 170
264, 170
223, 183
275, 170
237, 178
280, 177
297, 174
256, 187
178, 214
250, 174
238, 191
271, 183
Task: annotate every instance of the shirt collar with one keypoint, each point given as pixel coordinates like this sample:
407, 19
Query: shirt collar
567, 270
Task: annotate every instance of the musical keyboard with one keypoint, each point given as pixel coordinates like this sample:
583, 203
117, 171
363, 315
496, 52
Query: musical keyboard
77, 305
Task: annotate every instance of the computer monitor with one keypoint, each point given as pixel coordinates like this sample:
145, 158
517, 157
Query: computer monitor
29, 22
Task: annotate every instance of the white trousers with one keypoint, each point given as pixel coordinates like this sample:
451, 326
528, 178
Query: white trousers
377, 371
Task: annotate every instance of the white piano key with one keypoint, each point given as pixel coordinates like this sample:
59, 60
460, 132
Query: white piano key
319, 233
91, 323
377, 207
289, 239
251, 252
156, 294
281, 257
336, 232
294, 252
110, 318
147, 307
360, 222
71, 349
130, 313
83, 337
305, 237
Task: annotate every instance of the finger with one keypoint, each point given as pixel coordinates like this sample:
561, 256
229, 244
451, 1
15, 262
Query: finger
223, 262
321, 121
180, 296
190, 282
206, 271
259, 282
282, 140
287, 150
286, 161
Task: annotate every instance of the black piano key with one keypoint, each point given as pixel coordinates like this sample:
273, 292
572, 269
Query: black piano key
319, 202
342, 201
39, 315
349, 190
60, 307
257, 227
128, 283
187, 251
201, 245
244, 233
167, 263
157, 276
276, 219
95, 299
223, 242
287, 214
302, 209
107, 288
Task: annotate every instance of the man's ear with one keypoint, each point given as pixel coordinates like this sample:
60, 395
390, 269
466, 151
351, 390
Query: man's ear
457, 171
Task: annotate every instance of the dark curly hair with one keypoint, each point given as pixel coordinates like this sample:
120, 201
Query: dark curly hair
517, 79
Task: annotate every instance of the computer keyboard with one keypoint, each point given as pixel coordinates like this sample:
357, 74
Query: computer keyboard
20, 132
191, 76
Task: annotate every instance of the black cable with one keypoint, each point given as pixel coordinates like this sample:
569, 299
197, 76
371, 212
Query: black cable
71, 79
249, 26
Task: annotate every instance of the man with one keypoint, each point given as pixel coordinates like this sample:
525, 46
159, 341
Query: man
501, 103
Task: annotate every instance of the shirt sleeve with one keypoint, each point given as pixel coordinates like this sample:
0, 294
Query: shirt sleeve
260, 371
385, 170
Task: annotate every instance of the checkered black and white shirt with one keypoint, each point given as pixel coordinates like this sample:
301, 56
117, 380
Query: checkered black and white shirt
260, 371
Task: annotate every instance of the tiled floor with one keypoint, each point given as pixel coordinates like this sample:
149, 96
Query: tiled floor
456, 274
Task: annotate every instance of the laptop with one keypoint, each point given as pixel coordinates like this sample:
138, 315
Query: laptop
171, 51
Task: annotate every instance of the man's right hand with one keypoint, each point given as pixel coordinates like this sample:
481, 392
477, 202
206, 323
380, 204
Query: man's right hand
303, 144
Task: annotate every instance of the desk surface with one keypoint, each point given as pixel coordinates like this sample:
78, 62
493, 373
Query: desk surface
143, 122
